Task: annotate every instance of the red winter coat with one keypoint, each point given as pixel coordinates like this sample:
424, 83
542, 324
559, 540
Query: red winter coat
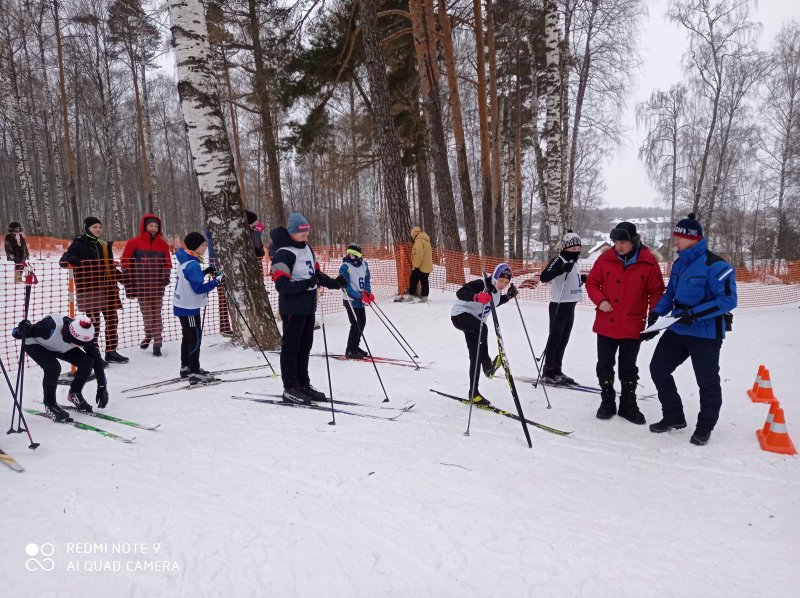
632, 291
146, 262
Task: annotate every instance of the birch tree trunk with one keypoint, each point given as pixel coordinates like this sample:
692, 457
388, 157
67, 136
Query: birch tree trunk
216, 175
553, 212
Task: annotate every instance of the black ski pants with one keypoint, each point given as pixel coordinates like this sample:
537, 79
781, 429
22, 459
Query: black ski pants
48, 361
672, 350
607, 348
562, 317
419, 278
358, 320
192, 336
473, 329
298, 338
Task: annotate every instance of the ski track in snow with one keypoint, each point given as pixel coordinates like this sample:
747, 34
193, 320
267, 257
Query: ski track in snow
261, 500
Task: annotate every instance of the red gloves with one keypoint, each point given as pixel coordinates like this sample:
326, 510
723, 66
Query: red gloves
482, 297
367, 297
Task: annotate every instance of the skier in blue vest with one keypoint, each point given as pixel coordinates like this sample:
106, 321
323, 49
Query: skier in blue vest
296, 274
191, 295
355, 272
701, 292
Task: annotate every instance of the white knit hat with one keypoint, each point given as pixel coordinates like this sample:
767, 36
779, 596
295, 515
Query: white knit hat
571, 240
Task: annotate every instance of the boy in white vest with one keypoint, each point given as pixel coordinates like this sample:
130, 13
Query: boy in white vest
191, 295
72, 340
355, 272
565, 292
297, 276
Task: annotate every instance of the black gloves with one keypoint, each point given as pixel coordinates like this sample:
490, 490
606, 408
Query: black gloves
340, 281
512, 291
312, 281
24, 328
684, 317
583, 278
212, 270
568, 266
652, 318
102, 397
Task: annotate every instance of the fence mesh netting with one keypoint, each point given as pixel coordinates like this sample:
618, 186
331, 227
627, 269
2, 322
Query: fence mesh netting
96, 289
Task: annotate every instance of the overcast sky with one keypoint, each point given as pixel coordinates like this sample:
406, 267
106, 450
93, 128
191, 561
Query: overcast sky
663, 44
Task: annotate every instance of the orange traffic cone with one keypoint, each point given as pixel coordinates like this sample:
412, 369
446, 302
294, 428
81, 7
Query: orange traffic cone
776, 440
773, 407
752, 392
764, 393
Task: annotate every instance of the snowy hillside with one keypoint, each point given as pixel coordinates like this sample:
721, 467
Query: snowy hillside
245, 499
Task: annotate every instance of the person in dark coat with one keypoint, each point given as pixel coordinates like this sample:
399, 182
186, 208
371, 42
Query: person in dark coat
701, 292
96, 280
146, 266
297, 277
17, 249
624, 283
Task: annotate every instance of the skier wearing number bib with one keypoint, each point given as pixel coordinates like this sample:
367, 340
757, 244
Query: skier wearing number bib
469, 314
296, 275
355, 272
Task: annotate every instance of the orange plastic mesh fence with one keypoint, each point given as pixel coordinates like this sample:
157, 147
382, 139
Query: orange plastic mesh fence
99, 290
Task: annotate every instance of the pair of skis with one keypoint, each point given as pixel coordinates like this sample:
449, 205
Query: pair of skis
179, 379
276, 399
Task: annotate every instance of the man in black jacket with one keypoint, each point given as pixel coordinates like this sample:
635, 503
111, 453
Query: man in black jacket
72, 340
96, 280
296, 274
469, 314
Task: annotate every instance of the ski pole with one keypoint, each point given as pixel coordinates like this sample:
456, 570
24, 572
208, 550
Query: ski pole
393, 336
33, 445
535, 361
376, 306
369, 351
476, 368
253, 336
327, 364
30, 280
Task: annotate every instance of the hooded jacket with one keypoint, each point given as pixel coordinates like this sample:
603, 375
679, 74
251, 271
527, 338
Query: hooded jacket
703, 284
631, 287
191, 289
422, 254
146, 262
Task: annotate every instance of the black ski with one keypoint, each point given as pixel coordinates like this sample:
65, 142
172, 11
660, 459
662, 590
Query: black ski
110, 418
190, 386
316, 407
179, 379
579, 388
10, 461
84, 426
499, 411
375, 359
405, 407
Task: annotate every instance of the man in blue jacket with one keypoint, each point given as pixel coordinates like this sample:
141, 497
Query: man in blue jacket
701, 292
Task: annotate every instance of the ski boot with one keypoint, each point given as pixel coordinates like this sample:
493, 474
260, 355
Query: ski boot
296, 396
608, 405
565, 380
353, 354
80, 403
665, 426
201, 377
52, 408
422, 300
553, 378
627, 404
480, 400
145, 343
313, 394
114, 357
491, 367
156, 349
186, 371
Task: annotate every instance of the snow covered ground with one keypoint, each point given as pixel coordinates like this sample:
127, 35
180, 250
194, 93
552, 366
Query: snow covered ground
246, 499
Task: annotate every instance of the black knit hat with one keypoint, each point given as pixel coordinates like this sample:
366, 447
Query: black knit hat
251, 216
90, 221
14, 225
688, 228
193, 241
624, 231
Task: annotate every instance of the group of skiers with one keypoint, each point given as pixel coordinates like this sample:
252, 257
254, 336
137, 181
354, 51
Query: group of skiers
627, 287
625, 284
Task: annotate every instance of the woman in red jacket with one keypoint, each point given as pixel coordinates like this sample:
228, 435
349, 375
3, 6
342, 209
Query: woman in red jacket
146, 263
624, 283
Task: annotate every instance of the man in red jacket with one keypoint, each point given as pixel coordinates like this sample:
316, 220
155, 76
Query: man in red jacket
146, 263
624, 283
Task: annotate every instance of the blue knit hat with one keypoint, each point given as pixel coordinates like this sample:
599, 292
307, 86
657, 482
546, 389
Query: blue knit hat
688, 228
297, 224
